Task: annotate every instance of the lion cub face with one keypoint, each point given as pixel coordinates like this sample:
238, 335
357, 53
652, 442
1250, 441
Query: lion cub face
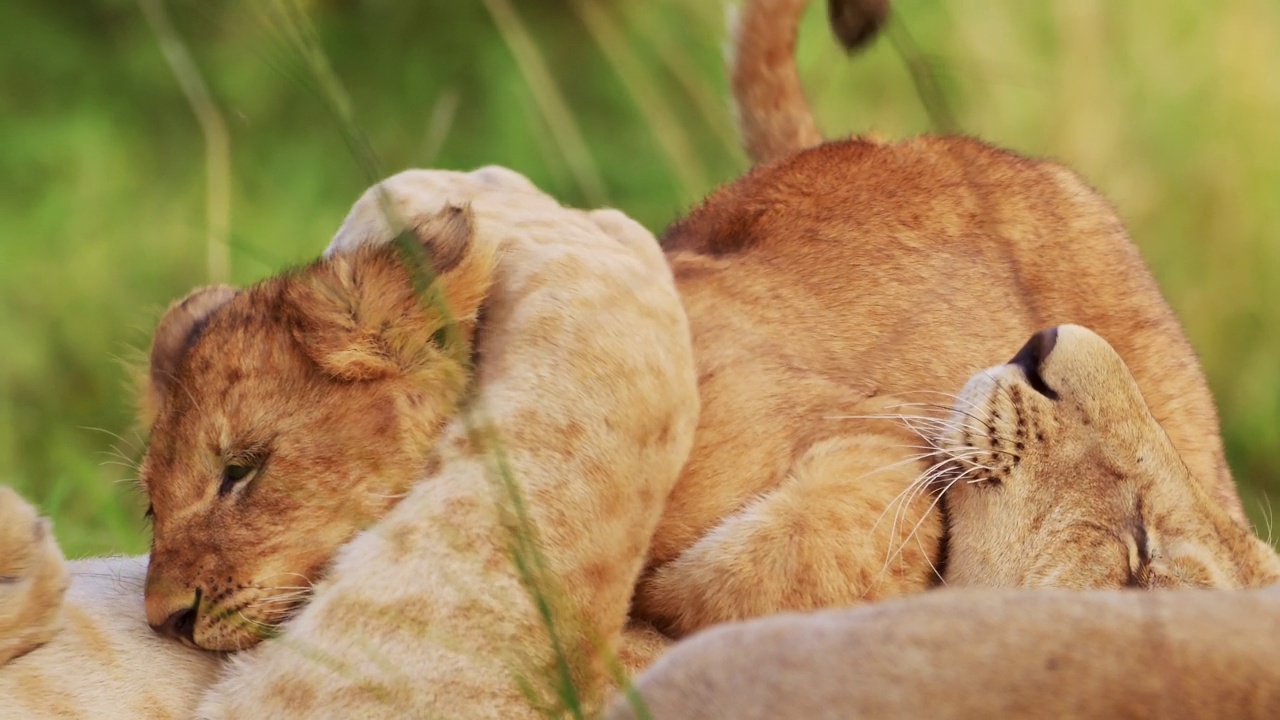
289, 416
1061, 477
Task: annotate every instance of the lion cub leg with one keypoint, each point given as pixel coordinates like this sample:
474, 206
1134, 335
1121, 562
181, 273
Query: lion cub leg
639, 646
33, 578
847, 525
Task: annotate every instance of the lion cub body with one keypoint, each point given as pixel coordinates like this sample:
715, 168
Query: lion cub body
1057, 475
982, 653
823, 282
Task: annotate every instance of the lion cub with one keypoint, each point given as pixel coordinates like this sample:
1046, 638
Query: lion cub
835, 276
1056, 475
290, 415
332, 381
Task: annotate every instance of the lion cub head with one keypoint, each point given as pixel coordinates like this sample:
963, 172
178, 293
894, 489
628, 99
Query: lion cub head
288, 416
1061, 477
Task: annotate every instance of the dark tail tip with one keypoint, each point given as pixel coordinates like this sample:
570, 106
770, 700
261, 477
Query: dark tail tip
856, 22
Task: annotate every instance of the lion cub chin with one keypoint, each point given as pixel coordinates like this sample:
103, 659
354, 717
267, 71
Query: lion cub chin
1058, 475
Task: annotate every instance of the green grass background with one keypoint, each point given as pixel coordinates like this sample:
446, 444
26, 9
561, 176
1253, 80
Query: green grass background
1169, 107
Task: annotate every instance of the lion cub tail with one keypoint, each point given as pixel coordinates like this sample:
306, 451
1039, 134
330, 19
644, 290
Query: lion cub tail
773, 115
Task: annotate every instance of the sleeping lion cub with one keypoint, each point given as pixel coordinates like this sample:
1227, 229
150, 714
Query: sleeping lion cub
1058, 476
837, 275
341, 402
824, 290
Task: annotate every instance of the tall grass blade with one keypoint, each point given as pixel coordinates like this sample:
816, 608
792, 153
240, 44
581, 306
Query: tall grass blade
546, 92
924, 77
712, 106
217, 141
675, 144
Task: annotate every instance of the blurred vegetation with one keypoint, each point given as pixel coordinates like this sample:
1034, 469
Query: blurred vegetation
1169, 107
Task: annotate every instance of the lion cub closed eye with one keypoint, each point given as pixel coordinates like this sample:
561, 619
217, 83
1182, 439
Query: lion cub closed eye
1061, 477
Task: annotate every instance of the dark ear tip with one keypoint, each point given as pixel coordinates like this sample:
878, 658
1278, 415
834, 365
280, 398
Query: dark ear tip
207, 296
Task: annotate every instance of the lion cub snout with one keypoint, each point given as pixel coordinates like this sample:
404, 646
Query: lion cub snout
1060, 476
173, 616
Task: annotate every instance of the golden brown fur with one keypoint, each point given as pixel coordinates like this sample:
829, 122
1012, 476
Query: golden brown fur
773, 115
833, 281
1057, 475
326, 388
331, 384
1063, 478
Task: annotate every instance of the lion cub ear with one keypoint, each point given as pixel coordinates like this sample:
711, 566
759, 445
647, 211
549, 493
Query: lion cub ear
181, 324
377, 311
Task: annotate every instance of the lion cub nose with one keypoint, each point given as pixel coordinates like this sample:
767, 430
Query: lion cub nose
1036, 349
1032, 356
180, 625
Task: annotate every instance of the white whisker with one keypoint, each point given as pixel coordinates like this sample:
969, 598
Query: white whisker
924, 516
122, 439
955, 398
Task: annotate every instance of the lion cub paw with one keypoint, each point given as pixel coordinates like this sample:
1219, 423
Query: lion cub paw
33, 578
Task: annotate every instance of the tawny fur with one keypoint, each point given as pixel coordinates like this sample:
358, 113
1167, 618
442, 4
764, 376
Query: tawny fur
328, 387
33, 577
74, 641
773, 117
585, 379
104, 662
976, 654
1083, 490
828, 281
823, 285
331, 381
